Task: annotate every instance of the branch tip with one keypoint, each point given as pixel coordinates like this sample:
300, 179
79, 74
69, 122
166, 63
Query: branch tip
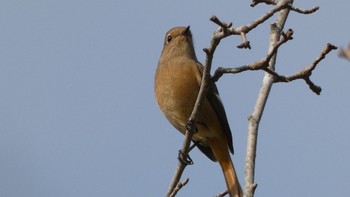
222, 194
217, 21
306, 72
267, 2
244, 45
179, 185
307, 11
288, 35
332, 47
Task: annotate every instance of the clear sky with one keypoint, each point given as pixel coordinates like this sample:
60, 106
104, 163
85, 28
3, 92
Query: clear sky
78, 115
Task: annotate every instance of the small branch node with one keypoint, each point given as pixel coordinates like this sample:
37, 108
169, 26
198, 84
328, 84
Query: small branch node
308, 11
288, 34
267, 2
222, 194
245, 43
206, 50
217, 21
316, 89
217, 74
254, 186
306, 72
178, 187
333, 47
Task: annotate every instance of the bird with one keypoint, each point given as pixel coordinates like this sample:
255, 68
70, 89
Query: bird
176, 87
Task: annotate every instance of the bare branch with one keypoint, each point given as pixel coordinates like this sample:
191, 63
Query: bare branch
258, 65
245, 43
222, 194
268, 2
308, 11
263, 65
291, 7
221, 24
178, 187
254, 120
227, 29
306, 72
279, 6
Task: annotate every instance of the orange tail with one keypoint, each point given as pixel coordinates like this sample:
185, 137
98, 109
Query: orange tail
222, 154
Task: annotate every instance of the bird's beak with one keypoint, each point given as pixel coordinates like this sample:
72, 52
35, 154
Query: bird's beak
187, 30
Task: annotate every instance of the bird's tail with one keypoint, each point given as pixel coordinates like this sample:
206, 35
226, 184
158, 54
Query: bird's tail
222, 155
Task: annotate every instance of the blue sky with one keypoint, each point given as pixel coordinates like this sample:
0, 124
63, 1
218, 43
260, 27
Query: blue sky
78, 115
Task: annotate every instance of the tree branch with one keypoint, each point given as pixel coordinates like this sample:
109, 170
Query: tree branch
222, 194
262, 64
306, 72
227, 30
291, 7
178, 187
258, 65
268, 2
308, 11
270, 77
254, 120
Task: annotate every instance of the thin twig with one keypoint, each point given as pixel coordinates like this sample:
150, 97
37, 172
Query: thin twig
244, 29
291, 7
245, 43
268, 2
279, 6
254, 120
222, 194
223, 25
258, 65
306, 72
308, 11
178, 187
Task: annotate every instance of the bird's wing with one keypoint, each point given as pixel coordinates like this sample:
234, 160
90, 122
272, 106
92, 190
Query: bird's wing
215, 101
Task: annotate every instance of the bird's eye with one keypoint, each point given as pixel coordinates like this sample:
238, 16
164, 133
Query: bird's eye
169, 38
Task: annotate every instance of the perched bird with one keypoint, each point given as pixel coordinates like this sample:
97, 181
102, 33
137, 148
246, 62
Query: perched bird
177, 83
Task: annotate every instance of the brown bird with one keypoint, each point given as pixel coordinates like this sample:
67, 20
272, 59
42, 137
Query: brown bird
177, 83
